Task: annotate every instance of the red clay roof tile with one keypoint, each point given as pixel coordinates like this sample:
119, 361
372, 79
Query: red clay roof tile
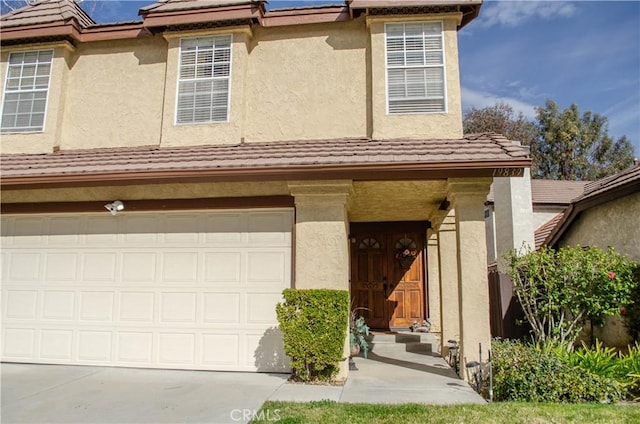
306, 153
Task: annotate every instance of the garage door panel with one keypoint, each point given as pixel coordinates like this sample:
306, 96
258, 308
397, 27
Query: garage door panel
180, 267
221, 308
21, 304
58, 305
135, 347
220, 350
225, 229
56, 344
95, 346
19, 343
136, 307
178, 307
264, 351
139, 267
26, 231
223, 267
24, 266
96, 306
99, 266
192, 290
61, 267
260, 308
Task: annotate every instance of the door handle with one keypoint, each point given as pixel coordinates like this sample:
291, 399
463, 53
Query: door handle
385, 286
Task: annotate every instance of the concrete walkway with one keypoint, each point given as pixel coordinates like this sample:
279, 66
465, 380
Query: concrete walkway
79, 394
390, 378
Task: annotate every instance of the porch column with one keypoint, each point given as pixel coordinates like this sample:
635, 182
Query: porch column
321, 239
467, 197
445, 223
433, 280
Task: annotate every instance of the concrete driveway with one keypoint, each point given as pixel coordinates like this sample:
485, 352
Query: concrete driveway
92, 395
78, 394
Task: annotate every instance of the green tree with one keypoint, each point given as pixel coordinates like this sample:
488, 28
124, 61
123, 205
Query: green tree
560, 290
564, 144
572, 146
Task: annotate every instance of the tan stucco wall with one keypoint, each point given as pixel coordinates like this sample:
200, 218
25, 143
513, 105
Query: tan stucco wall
375, 201
114, 95
307, 82
433, 125
287, 83
146, 192
41, 142
615, 223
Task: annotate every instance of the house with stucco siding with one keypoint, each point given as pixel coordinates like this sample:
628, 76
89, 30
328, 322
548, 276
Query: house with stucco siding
523, 213
164, 180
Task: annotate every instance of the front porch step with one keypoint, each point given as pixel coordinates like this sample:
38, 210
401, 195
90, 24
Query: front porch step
387, 343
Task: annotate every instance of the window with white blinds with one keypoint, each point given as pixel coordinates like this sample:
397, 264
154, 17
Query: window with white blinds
415, 67
203, 80
25, 91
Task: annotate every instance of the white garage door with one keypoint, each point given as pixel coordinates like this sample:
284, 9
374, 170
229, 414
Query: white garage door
188, 290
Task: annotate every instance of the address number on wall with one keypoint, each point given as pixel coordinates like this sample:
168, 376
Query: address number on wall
508, 172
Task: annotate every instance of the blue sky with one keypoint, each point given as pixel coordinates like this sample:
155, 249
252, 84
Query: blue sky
524, 52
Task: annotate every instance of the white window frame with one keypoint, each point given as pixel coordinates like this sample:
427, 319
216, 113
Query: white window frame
443, 66
228, 78
19, 90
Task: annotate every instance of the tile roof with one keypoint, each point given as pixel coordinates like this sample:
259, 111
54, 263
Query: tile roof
542, 232
551, 192
611, 182
310, 154
46, 12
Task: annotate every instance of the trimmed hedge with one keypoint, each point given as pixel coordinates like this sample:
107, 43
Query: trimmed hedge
314, 327
524, 373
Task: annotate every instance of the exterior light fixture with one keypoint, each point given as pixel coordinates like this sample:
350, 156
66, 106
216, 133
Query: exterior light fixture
114, 207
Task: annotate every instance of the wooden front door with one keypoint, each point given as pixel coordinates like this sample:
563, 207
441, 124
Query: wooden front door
387, 273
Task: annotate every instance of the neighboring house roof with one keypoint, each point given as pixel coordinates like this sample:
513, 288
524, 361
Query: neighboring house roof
473, 155
596, 193
551, 192
46, 12
542, 232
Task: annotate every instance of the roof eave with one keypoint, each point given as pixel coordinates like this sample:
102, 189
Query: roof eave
195, 16
305, 16
377, 171
469, 8
51, 29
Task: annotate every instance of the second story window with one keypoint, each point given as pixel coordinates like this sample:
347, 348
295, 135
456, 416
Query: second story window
25, 91
203, 80
415, 68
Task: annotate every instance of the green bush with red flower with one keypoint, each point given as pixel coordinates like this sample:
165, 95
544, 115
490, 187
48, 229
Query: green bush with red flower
560, 289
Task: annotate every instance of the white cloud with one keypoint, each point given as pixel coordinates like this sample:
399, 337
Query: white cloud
513, 13
480, 99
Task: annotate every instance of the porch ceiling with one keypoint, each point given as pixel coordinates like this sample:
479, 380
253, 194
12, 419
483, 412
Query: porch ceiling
376, 201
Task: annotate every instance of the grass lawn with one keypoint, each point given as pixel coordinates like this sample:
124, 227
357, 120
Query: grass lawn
327, 412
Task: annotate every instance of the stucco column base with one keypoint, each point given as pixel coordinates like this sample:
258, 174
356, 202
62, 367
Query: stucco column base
321, 240
468, 197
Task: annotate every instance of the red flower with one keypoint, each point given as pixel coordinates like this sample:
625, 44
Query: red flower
611, 275
623, 311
